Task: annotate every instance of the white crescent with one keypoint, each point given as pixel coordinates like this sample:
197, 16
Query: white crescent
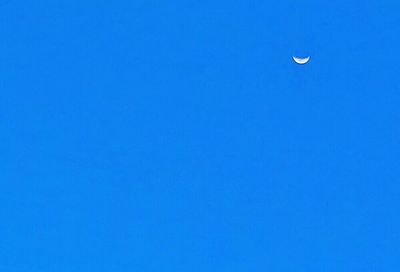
299, 60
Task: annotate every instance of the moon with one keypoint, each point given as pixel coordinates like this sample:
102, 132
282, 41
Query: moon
299, 60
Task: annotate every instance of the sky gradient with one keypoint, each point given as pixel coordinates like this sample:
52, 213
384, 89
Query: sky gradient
180, 136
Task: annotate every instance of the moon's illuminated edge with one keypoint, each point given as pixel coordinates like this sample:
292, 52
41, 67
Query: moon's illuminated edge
301, 60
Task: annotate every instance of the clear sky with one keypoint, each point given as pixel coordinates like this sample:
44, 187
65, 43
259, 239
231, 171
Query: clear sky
180, 136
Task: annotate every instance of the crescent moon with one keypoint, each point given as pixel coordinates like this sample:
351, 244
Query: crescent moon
299, 60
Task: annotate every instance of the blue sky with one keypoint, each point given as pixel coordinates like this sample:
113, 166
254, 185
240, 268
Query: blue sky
181, 136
